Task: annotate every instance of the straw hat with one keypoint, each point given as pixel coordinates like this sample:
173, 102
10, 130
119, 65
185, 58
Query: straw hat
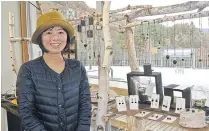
50, 19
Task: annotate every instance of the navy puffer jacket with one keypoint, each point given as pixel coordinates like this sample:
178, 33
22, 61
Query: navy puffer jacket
49, 101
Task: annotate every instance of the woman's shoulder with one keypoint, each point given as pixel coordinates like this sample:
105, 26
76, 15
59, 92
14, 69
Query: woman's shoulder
31, 63
29, 66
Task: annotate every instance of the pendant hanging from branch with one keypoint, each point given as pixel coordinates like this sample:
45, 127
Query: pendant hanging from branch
167, 56
200, 34
174, 42
182, 31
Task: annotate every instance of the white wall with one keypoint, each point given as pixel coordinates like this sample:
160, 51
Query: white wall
8, 77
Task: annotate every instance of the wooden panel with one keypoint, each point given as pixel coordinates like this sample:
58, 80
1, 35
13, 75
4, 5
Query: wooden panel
23, 31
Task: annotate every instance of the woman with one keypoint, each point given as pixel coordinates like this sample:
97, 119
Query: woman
53, 92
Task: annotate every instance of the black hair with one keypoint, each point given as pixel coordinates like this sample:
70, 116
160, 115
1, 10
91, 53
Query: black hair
39, 42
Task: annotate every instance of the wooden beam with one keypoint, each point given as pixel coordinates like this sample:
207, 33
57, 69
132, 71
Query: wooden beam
162, 10
169, 18
129, 8
23, 31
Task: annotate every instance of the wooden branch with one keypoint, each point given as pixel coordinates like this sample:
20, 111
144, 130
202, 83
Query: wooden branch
116, 11
74, 20
129, 8
187, 6
11, 35
104, 71
169, 18
121, 15
131, 50
39, 7
20, 39
107, 38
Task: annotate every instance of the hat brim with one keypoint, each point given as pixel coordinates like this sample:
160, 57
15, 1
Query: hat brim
65, 25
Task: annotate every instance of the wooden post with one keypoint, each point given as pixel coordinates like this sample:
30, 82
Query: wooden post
99, 10
23, 31
104, 72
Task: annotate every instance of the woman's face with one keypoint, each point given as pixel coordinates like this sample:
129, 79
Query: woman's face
54, 40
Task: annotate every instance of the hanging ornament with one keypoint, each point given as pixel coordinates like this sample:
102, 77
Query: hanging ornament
174, 62
90, 33
200, 28
79, 28
83, 23
142, 35
167, 56
174, 41
85, 45
182, 31
91, 20
148, 29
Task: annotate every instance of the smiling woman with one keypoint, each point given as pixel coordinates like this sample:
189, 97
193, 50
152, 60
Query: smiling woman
53, 92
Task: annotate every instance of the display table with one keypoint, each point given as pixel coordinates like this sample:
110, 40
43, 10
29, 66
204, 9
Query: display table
120, 121
13, 120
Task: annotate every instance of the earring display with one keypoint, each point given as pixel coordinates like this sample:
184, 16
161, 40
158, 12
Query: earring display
180, 105
166, 103
121, 103
155, 101
169, 119
142, 114
133, 102
155, 117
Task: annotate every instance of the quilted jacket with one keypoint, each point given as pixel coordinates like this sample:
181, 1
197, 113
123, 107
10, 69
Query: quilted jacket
49, 101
